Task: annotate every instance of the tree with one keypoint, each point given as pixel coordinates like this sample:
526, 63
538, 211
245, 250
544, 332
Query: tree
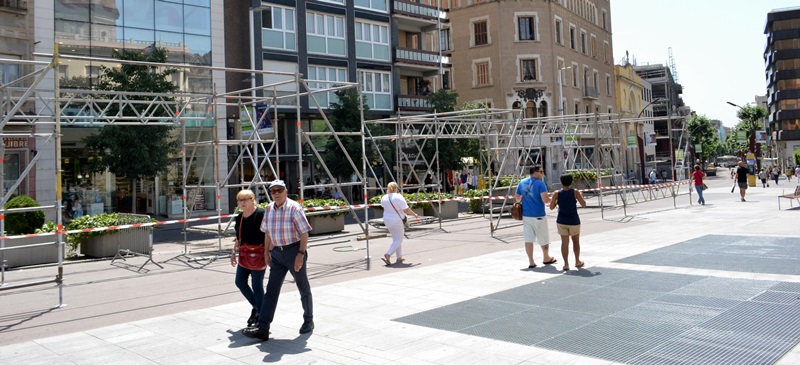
702, 132
345, 116
444, 101
141, 151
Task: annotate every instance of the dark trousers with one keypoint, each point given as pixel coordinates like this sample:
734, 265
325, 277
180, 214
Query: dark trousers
282, 261
254, 295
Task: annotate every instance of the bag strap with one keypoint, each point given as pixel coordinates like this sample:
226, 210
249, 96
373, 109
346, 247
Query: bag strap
241, 227
393, 207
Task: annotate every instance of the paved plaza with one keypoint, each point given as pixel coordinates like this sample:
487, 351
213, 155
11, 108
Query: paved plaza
713, 284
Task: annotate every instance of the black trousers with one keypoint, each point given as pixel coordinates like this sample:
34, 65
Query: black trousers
282, 261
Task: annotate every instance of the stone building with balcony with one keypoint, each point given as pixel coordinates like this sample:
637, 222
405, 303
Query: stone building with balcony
548, 57
782, 61
635, 109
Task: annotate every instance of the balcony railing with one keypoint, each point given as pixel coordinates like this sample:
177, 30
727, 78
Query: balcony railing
417, 56
416, 9
414, 102
590, 92
14, 4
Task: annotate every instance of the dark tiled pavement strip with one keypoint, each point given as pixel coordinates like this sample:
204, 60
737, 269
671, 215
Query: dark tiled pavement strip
636, 317
756, 254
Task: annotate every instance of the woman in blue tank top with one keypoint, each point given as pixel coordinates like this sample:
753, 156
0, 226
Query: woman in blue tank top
568, 221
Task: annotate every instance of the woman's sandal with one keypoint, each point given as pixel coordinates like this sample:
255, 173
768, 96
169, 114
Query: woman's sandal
565, 268
579, 264
399, 260
386, 259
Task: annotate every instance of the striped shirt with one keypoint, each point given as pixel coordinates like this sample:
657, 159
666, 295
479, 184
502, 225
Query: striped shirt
285, 224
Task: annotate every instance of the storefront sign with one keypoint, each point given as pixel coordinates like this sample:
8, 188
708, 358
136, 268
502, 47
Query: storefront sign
16, 142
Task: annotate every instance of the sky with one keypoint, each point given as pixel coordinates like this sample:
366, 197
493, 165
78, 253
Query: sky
717, 47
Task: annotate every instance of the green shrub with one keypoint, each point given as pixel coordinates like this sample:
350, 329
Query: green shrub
409, 197
23, 222
476, 205
313, 203
507, 180
97, 221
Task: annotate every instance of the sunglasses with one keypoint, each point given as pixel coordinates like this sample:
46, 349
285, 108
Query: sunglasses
243, 200
275, 191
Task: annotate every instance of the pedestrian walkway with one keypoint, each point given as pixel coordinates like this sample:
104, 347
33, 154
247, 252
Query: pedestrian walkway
659, 288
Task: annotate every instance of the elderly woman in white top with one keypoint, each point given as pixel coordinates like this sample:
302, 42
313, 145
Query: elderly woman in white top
395, 209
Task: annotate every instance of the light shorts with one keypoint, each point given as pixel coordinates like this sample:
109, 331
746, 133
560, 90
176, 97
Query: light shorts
743, 185
535, 229
568, 230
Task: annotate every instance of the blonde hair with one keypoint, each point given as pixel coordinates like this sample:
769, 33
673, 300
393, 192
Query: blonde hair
392, 187
246, 193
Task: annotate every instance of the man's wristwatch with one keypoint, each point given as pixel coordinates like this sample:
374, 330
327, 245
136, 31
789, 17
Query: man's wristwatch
301, 252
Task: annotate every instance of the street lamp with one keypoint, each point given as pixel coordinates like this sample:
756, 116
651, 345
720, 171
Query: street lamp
654, 102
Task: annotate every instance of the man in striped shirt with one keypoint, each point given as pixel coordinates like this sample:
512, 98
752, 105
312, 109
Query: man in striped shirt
286, 240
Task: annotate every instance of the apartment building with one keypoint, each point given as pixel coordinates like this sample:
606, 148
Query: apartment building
391, 48
634, 100
669, 112
548, 57
782, 62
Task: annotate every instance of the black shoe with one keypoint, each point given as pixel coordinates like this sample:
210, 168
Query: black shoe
255, 332
253, 318
307, 327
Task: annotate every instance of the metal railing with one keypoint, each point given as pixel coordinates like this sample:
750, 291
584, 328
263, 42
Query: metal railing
14, 4
416, 9
136, 241
418, 56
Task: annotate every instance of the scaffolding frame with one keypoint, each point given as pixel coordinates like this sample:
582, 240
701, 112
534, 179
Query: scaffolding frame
35, 106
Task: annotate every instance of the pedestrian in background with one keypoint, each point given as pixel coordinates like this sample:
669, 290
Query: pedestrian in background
741, 179
762, 175
532, 193
568, 222
286, 240
393, 204
697, 178
249, 245
776, 173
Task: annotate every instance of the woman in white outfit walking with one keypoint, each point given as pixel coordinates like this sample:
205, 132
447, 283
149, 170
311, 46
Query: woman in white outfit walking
395, 208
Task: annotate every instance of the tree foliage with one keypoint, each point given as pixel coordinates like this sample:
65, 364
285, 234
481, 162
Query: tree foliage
345, 116
750, 120
702, 132
134, 151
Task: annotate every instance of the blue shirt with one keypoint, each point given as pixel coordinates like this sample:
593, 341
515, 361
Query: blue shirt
531, 190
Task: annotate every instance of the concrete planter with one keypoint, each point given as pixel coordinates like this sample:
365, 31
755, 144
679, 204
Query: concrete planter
31, 255
326, 223
134, 239
449, 210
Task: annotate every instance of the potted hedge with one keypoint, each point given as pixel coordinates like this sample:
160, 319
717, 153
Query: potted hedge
326, 221
105, 243
411, 198
23, 223
449, 209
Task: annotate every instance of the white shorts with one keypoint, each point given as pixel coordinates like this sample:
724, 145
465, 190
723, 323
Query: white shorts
535, 229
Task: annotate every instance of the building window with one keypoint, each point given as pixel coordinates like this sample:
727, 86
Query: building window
606, 55
333, 74
559, 37
583, 42
480, 32
574, 75
572, 37
377, 89
378, 5
608, 85
562, 76
326, 34
277, 28
482, 74
9, 71
604, 20
526, 28
372, 41
444, 40
529, 70
593, 45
